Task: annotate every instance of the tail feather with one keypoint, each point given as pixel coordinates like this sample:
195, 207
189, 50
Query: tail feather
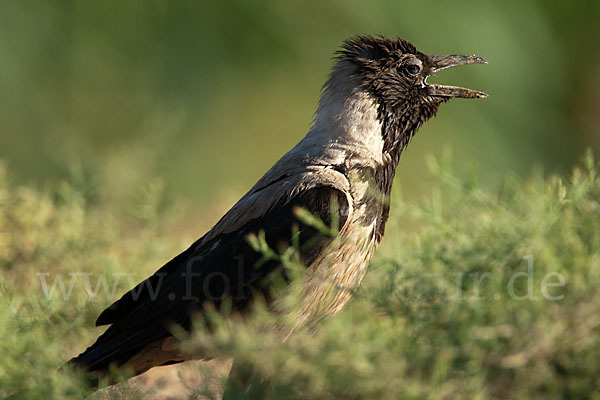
121, 353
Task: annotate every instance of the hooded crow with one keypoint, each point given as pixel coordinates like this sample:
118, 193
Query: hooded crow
374, 101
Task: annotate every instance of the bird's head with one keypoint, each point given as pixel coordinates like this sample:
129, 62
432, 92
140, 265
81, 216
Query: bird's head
395, 73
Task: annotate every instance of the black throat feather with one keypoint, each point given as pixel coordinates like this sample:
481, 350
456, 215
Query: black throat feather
399, 125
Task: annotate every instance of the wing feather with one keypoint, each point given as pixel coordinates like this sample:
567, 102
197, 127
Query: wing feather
220, 265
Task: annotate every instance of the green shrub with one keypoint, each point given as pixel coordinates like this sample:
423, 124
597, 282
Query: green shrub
475, 293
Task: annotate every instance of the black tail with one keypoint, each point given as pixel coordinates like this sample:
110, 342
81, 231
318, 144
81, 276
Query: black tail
109, 351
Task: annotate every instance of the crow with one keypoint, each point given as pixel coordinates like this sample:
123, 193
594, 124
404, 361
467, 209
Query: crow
375, 99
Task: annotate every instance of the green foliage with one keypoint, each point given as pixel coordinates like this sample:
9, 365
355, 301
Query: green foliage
474, 294
61, 262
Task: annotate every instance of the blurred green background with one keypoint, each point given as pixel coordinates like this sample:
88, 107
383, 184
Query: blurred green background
207, 95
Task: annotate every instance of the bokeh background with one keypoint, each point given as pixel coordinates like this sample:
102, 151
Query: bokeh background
205, 96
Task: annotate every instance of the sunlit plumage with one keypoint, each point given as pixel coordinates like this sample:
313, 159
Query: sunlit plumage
372, 104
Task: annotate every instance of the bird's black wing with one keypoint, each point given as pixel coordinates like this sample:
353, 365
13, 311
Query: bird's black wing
226, 266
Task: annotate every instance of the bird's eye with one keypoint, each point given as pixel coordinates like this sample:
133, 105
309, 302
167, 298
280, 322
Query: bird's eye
412, 69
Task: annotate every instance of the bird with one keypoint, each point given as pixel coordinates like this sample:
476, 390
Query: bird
372, 104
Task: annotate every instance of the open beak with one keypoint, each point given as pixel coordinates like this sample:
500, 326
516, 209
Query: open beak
442, 62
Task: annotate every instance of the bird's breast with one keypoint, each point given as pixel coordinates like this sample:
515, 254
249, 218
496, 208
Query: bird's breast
339, 270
